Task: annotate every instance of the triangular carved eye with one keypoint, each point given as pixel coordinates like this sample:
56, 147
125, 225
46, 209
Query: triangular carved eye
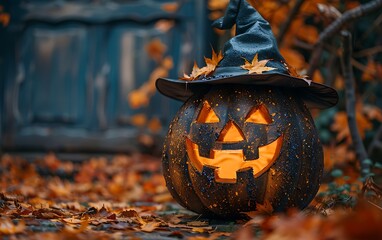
207, 114
259, 115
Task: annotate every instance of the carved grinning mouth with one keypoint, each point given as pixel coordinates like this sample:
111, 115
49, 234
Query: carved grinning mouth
228, 162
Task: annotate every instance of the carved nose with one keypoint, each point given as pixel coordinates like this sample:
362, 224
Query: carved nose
231, 133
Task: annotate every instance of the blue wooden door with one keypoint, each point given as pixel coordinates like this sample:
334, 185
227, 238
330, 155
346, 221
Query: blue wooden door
83, 79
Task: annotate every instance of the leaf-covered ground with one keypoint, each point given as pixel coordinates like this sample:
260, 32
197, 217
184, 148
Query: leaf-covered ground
125, 198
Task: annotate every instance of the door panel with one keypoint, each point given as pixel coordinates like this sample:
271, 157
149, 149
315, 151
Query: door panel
82, 73
51, 83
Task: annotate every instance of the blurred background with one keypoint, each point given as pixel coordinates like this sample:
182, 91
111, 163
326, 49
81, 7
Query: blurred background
78, 77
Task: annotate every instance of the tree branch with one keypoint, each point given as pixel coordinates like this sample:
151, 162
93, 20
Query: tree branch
336, 26
284, 28
315, 59
376, 142
351, 102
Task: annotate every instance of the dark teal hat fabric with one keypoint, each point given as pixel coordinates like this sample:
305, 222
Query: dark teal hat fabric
253, 36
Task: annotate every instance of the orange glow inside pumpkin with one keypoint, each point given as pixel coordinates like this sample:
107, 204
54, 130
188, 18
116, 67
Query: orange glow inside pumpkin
231, 133
207, 114
228, 162
259, 115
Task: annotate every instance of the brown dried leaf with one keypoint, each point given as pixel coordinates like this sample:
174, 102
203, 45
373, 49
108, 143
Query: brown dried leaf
156, 49
69, 229
170, 7
50, 213
59, 188
128, 213
174, 219
296, 226
328, 11
196, 72
341, 126
266, 8
138, 120
265, 208
256, 66
352, 4
197, 223
184, 226
52, 162
120, 226
164, 25
279, 15
308, 33
214, 60
293, 72
293, 58
373, 112
211, 64
317, 77
4, 19
310, 7
103, 213
372, 71
150, 226
214, 5
75, 206
199, 230
40, 203
73, 220
90, 211
10, 197
141, 96
7, 227
154, 125
138, 98
163, 198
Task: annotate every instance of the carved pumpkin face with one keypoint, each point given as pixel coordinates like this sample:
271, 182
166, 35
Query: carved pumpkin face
234, 147
237, 147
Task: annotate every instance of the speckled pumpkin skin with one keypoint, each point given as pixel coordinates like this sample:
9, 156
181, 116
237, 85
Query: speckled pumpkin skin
291, 181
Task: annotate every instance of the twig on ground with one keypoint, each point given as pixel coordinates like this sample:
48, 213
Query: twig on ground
371, 187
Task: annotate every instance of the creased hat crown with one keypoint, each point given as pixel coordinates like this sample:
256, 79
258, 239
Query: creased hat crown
252, 46
253, 36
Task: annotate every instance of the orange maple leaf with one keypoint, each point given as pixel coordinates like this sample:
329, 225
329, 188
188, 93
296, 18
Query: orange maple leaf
266, 208
214, 60
196, 72
256, 66
341, 125
211, 64
293, 72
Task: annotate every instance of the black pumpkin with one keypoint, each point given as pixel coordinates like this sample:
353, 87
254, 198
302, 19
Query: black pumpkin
234, 147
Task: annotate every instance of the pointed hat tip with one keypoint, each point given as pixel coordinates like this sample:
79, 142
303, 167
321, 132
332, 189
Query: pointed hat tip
229, 18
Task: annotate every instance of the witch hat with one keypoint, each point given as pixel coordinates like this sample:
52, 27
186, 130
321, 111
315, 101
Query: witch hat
253, 40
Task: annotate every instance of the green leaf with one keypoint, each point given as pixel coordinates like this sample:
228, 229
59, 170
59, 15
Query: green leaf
336, 173
368, 161
325, 135
378, 165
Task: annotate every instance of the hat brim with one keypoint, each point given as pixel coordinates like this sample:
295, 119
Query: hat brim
314, 95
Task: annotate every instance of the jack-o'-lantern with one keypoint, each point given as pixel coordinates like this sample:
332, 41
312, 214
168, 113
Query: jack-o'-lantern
233, 148
244, 136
